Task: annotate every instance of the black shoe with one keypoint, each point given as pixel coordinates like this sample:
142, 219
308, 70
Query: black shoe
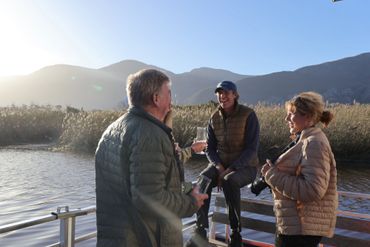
198, 238
236, 240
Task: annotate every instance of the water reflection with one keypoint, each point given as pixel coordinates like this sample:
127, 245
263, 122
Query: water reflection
34, 183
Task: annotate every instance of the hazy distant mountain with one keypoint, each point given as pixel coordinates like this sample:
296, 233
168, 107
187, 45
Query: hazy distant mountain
188, 84
63, 85
124, 68
184, 84
102, 88
342, 81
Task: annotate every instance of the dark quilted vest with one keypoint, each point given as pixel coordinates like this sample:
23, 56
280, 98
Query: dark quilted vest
230, 134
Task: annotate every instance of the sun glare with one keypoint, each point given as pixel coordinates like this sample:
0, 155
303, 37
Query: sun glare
21, 58
19, 52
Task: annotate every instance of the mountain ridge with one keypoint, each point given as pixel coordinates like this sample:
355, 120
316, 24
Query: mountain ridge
344, 81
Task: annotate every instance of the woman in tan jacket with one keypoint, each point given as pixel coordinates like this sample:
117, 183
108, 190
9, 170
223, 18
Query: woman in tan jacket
303, 180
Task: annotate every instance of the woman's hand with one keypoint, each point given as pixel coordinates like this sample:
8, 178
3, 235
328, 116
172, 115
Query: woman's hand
267, 166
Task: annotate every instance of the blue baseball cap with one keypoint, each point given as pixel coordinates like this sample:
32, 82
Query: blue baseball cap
226, 86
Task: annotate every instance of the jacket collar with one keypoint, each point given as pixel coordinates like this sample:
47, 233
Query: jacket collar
235, 111
142, 113
303, 135
308, 132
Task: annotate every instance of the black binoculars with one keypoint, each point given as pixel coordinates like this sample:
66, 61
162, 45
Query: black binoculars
259, 185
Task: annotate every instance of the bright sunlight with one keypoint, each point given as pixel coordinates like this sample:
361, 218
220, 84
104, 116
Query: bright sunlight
19, 53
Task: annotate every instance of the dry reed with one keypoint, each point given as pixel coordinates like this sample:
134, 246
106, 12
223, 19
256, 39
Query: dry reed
80, 131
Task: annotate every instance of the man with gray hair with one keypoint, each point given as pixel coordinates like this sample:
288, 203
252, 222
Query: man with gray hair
139, 195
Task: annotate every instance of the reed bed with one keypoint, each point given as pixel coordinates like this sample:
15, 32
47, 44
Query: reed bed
30, 124
349, 133
79, 131
82, 130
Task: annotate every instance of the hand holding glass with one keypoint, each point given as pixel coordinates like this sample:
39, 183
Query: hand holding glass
201, 136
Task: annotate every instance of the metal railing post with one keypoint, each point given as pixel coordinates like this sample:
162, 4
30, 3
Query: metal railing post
67, 229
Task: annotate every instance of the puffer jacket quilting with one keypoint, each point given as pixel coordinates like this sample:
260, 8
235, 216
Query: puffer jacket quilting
136, 167
305, 202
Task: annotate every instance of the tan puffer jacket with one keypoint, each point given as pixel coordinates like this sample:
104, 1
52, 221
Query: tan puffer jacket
304, 186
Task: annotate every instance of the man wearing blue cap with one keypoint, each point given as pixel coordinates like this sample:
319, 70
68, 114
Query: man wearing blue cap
233, 139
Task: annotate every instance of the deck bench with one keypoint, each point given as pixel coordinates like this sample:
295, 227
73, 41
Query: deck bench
352, 229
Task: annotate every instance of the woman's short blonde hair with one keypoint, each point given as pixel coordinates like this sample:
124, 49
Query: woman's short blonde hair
312, 105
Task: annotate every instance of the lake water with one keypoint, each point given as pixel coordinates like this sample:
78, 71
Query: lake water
34, 183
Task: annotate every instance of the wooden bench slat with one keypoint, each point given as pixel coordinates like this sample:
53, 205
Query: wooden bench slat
340, 240
352, 224
254, 224
266, 208
250, 205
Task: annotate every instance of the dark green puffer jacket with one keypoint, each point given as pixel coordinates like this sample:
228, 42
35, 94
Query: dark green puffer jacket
138, 187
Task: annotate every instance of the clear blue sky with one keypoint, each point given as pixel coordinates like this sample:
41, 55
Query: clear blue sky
246, 36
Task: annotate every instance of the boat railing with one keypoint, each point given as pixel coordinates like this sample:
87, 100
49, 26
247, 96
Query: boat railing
67, 218
67, 225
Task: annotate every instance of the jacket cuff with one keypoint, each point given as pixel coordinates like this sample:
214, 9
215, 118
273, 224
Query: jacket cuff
268, 175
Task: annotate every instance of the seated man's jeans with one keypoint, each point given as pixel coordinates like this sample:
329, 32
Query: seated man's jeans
231, 185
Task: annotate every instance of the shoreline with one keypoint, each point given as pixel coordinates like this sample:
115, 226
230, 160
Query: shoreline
53, 147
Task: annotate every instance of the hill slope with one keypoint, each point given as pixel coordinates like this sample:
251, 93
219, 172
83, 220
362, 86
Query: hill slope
341, 81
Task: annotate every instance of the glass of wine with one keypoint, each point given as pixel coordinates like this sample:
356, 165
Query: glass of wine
201, 136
